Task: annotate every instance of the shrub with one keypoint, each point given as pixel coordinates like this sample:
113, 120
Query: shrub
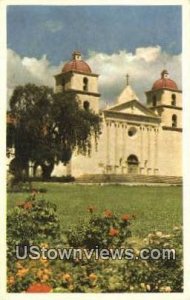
33, 220
23, 187
108, 230
162, 275
166, 274
67, 178
19, 187
36, 220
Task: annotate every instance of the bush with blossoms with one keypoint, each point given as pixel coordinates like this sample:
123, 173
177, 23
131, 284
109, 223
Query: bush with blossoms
106, 230
31, 222
36, 221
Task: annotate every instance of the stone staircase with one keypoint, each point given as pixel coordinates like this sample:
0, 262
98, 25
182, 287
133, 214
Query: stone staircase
128, 178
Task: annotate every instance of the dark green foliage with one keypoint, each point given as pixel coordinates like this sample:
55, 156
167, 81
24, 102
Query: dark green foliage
10, 135
21, 225
31, 221
101, 231
35, 222
63, 178
49, 127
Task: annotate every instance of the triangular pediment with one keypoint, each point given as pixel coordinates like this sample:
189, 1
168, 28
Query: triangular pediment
132, 107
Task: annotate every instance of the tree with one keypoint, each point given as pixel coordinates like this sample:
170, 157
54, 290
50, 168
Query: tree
50, 127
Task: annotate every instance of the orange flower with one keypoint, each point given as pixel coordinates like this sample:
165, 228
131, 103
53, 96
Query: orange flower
27, 205
108, 213
19, 266
39, 288
93, 277
44, 273
67, 277
91, 209
44, 245
44, 260
10, 280
45, 277
22, 272
47, 271
125, 218
40, 273
113, 232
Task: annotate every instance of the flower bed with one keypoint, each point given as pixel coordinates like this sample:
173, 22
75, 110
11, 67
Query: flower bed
35, 222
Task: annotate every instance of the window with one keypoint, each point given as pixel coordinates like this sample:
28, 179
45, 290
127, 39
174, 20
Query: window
174, 121
85, 84
86, 105
173, 102
132, 131
154, 101
132, 159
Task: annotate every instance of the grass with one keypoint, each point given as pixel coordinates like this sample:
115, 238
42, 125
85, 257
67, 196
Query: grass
156, 208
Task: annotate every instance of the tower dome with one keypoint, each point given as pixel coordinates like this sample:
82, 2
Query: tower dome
164, 82
77, 64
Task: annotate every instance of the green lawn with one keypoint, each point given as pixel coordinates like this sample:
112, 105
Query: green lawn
156, 208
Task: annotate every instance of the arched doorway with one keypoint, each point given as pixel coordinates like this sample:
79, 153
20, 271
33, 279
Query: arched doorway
133, 163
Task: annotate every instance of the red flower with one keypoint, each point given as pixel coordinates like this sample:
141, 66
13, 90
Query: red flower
108, 213
27, 205
91, 209
113, 232
39, 288
125, 218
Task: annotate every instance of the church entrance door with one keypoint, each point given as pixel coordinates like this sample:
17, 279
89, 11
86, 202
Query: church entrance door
133, 164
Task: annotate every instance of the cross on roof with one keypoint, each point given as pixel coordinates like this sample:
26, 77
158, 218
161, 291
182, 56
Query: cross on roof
127, 76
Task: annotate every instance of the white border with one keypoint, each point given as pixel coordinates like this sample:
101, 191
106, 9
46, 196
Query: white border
186, 150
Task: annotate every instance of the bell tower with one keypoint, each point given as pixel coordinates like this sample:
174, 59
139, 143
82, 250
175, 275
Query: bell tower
77, 76
165, 99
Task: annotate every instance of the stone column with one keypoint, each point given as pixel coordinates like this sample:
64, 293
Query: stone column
149, 157
115, 146
124, 146
107, 144
156, 149
142, 150
123, 141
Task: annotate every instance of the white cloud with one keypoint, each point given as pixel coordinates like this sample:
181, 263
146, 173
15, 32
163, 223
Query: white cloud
148, 54
29, 70
144, 67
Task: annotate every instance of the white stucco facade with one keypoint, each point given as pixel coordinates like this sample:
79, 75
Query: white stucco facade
136, 138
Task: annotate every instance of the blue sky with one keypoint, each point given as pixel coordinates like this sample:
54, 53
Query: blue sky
113, 40
57, 30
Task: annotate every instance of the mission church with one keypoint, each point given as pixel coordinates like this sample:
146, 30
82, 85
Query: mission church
135, 138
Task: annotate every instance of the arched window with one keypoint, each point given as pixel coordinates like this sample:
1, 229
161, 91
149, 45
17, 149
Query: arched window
173, 102
85, 84
86, 105
132, 159
154, 101
174, 121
